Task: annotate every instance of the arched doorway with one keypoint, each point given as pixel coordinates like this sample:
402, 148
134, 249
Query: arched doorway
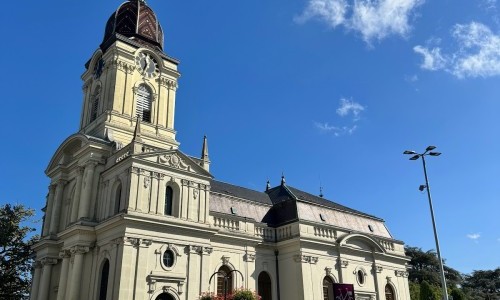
223, 285
165, 296
265, 287
327, 288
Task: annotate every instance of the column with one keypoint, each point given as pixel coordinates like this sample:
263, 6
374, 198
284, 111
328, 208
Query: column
88, 180
76, 277
172, 87
78, 191
205, 269
63, 278
56, 208
36, 280
153, 202
48, 210
162, 187
192, 290
44, 289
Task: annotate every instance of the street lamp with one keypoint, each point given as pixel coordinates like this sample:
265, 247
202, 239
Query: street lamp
428, 151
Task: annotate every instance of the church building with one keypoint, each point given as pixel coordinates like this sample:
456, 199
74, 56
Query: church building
129, 216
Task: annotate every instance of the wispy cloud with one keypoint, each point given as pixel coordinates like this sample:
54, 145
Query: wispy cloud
373, 19
474, 236
477, 53
346, 108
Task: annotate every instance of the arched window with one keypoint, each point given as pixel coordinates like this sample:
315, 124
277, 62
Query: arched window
118, 198
389, 292
144, 100
265, 287
94, 109
224, 280
327, 288
103, 288
169, 199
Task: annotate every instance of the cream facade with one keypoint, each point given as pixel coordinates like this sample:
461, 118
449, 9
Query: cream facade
130, 216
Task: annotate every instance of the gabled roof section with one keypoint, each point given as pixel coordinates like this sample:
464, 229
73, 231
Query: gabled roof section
239, 192
175, 159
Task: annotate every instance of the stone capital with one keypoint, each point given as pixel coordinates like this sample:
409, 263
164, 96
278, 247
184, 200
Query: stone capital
79, 250
194, 249
38, 264
48, 261
64, 254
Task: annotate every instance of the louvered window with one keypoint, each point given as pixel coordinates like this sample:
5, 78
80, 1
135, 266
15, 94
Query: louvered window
144, 99
95, 105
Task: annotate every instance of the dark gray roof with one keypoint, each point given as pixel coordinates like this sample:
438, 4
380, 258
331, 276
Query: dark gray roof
301, 195
240, 192
280, 194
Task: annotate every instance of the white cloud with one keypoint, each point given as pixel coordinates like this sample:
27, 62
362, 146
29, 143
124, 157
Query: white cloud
348, 106
373, 19
433, 60
336, 131
474, 236
477, 53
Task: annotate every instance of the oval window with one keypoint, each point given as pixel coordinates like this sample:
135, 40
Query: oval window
168, 258
361, 277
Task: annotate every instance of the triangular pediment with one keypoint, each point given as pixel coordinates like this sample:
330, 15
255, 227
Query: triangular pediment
174, 159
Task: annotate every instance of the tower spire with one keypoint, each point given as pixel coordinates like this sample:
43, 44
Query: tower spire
137, 131
205, 161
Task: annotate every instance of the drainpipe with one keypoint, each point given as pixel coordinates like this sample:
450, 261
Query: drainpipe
276, 252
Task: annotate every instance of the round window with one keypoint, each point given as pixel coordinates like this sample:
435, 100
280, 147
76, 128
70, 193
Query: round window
168, 258
361, 277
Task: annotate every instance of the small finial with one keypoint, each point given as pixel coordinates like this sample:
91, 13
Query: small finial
283, 180
205, 161
137, 131
268, 185
321, 191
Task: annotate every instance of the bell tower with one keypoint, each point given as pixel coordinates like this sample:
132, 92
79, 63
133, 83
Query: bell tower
129, 79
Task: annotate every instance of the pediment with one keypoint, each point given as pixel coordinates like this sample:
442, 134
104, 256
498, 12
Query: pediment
174, 159
360, 242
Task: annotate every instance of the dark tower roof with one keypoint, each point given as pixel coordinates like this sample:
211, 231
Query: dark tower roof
136, 21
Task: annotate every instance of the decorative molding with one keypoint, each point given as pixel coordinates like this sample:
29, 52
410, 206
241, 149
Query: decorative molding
173, 160
147, 182
208, 250
64, 254
399, 273
328, 271
389, 279
136, 242
195, 249
343, 263
300, 258
249, 257
147, 243
79, 250
225, 260
196, 193
377, 269
47, 261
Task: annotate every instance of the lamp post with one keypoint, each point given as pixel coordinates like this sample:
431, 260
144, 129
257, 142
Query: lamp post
428, 151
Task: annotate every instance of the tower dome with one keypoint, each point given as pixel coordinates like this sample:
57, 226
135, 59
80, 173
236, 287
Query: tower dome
136, 21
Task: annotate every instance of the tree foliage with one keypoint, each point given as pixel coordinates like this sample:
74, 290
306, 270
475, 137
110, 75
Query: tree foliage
16, 255
483, 284
425, 267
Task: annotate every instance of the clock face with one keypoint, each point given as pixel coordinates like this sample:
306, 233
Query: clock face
98, 68
146, 64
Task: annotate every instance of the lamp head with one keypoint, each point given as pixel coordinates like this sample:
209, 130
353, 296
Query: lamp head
434, 153
415, 157
422, 187
409, 152
430, 148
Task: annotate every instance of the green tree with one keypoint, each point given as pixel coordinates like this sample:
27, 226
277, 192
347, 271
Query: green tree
16, 254
458, 294
414, 291
429, 292
425, 267
483, 284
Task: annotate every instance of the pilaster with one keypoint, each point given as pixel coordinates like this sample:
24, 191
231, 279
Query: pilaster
48, 210
44, 290
76, 277
36, 280
65, 255
56, 214
88, 180
78, 190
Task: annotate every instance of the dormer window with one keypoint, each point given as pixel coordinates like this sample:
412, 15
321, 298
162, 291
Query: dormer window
144, 103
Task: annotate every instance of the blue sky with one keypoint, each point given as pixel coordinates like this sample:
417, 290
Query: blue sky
330, 92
